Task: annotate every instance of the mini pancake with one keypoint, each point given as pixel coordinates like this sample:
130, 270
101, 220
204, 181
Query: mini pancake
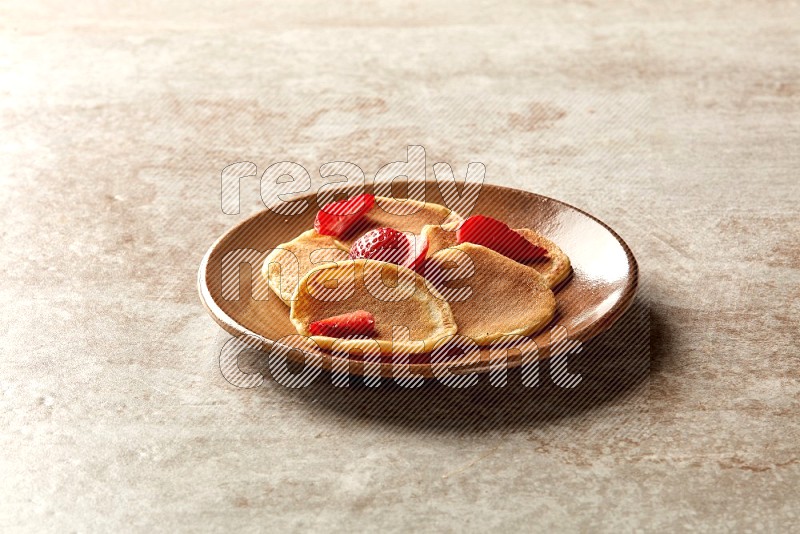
555, 267
506, 296
289, 262
403, 215
350, 285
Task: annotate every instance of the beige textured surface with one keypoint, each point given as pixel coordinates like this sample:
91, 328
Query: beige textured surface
677, 124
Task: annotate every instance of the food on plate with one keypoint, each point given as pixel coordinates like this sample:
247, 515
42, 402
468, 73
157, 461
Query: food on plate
498, 236
337, 226
395, 296
339, 218
554, 266
391, 246
372, 280
401, 215
506, 297
287, 263
357, 323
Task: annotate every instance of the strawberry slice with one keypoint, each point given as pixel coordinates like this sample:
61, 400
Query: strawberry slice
336, 218
357, 323
391, 246
499, 237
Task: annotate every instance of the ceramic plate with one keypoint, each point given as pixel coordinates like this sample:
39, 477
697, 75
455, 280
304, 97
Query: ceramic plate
602, 285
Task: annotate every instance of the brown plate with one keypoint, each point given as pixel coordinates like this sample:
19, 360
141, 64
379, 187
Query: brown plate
602, 285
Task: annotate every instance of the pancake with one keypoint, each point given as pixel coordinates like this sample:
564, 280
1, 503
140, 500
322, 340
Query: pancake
555, 268
399, 218
289, 262
350, 285
507, 297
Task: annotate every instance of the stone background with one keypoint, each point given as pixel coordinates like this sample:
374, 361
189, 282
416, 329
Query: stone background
677, 123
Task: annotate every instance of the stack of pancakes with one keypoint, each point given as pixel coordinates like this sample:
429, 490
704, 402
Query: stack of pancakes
467, 289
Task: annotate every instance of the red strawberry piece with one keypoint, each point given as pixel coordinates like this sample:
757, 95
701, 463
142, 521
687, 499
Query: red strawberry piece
499, 237
357, 323
391, 246
336, 218
383, 244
